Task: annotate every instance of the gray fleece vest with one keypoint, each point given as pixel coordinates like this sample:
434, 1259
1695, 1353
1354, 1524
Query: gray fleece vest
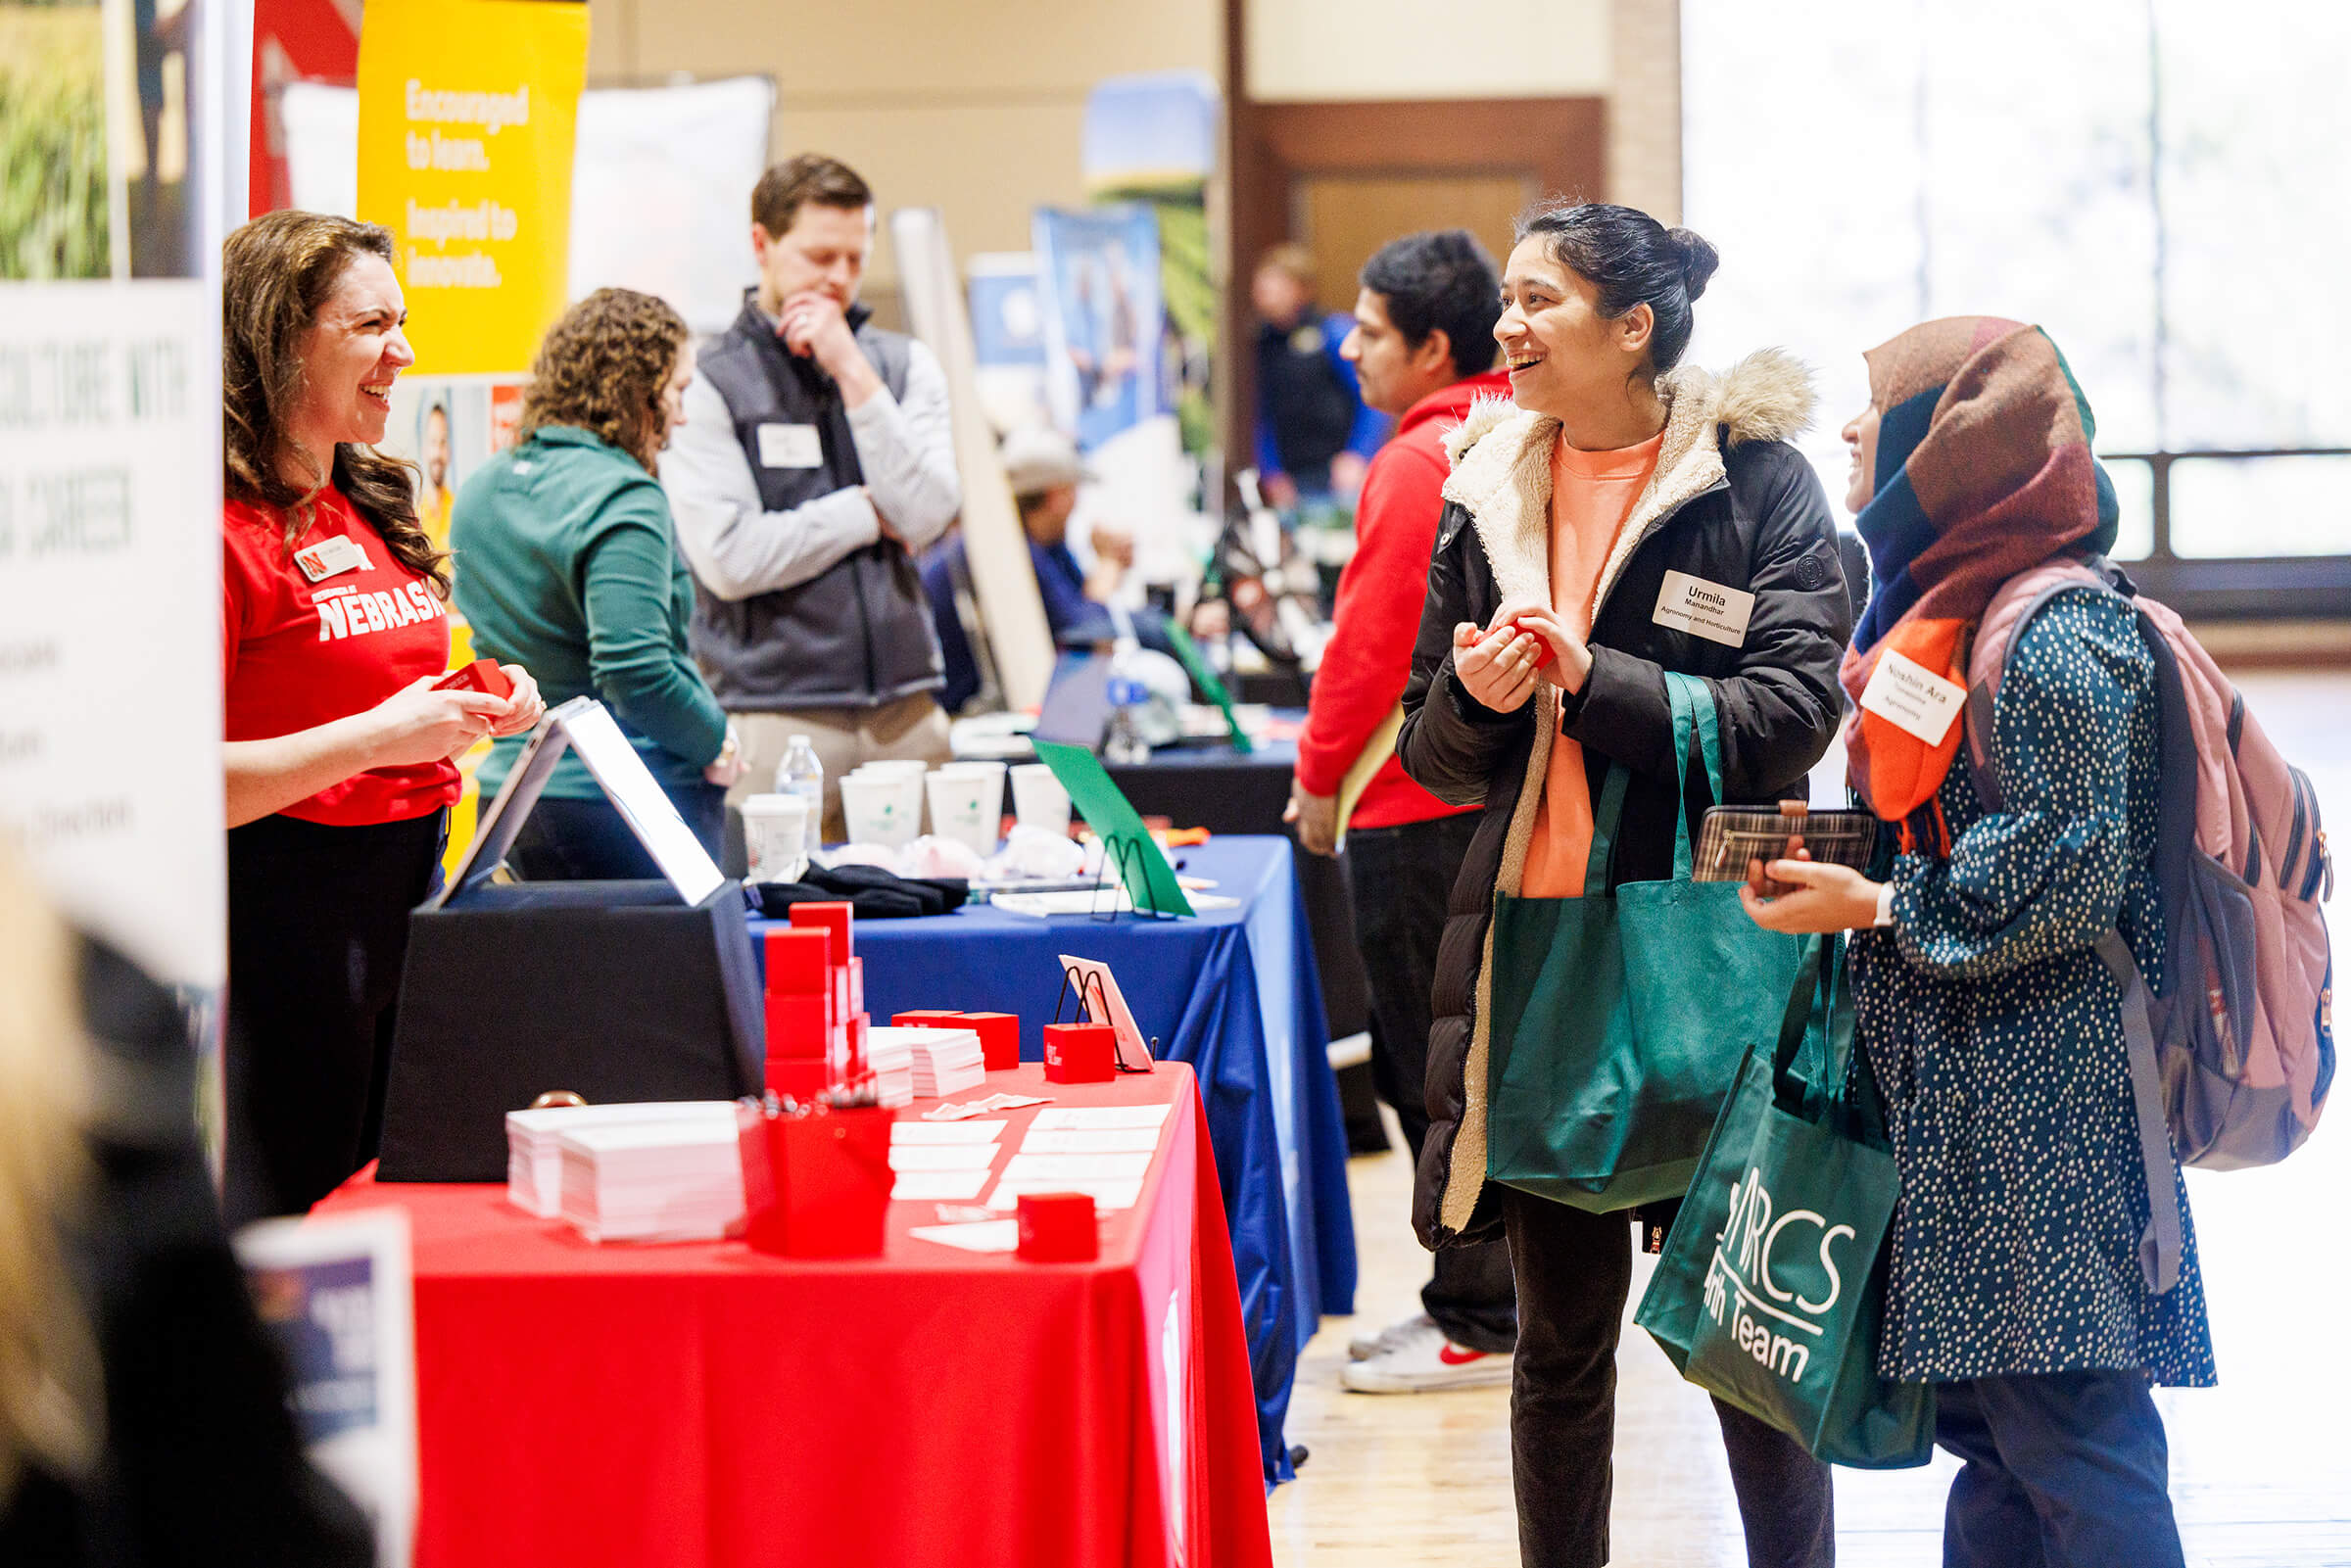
860, 634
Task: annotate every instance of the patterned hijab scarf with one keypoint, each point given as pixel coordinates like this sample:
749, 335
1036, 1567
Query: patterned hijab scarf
1984, 471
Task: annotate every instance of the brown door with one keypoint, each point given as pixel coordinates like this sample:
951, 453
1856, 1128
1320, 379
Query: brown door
1344, 218
1347, 177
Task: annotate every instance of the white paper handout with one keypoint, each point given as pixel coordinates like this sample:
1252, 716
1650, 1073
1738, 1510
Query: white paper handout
980, 1236
938, 1186
1096, 987
1104, 1141
938, 1132
941, 1157
1065, 1119
1023, 1167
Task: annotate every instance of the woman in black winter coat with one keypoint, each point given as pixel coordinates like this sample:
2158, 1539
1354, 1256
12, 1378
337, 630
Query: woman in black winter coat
1580, 520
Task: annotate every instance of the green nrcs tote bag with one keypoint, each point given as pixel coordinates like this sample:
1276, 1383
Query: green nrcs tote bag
1620, 1017
1772, 1286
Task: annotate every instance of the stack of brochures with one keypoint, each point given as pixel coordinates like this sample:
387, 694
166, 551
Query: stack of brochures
535, 1159
930, 1062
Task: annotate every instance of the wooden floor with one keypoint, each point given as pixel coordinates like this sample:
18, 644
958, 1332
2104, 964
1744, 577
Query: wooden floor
2261, 1466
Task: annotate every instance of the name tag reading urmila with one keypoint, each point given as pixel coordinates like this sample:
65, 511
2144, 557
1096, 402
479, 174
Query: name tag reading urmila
1710, 610
1908, 695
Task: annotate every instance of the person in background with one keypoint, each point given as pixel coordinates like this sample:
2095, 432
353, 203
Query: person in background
1314, 433
816, 463
572, 567
1539, 672
339, 754
1082, 608
1423, 347
1994, 1027
143, 1412
434, 500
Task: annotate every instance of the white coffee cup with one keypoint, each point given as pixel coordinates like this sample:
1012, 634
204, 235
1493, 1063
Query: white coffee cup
895, 768
775, 837
881, 809
1039, 800
967, 807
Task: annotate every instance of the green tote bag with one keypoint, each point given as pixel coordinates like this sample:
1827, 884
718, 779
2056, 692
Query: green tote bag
1619, 1017
1772, 1285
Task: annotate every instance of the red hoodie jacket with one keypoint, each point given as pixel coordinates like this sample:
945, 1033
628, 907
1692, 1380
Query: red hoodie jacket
1381, 592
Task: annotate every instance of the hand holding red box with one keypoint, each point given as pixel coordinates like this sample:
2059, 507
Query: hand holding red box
482, 675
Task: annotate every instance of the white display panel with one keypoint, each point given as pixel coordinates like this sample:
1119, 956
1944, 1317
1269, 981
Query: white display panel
661, 185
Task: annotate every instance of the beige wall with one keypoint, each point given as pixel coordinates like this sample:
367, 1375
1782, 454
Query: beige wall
1319, 51
974, 109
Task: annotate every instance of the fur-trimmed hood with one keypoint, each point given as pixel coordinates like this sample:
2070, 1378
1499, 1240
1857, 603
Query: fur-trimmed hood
1501, 460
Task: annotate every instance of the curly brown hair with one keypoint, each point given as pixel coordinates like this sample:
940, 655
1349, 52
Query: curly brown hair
276, 273
602, 369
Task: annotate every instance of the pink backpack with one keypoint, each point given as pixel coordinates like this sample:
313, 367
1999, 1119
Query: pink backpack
2235, 1055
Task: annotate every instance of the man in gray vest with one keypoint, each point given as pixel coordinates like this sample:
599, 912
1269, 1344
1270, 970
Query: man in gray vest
815, 464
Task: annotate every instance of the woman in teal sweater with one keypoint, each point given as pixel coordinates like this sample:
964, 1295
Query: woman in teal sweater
567, 562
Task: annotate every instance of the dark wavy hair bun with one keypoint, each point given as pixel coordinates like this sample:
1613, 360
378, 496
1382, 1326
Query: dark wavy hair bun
1698, 259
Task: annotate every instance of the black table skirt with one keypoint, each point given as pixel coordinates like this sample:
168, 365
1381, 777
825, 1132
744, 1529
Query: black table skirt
1226, 792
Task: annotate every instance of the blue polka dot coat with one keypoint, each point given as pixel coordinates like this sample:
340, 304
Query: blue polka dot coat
1996, 1036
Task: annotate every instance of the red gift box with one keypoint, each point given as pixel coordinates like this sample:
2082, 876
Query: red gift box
856, 986
799, 1027
797, 961
482, 675
926, 1018
835, 1182
1081, 1052
803, 1079
858, 1061
1058, 1227
839, 919
999, 1037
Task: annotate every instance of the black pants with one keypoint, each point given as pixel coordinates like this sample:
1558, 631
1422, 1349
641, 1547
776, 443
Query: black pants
1399, 881
2063, 1471
317, 931
589, 840
1574, 1272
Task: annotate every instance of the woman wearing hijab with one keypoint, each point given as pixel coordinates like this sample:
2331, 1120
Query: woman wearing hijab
1993, 1028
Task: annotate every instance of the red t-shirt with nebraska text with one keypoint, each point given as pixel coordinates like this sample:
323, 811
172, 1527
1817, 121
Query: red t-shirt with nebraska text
297, 653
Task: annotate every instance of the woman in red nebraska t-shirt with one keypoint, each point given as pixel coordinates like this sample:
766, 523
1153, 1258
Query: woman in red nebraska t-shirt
338, 752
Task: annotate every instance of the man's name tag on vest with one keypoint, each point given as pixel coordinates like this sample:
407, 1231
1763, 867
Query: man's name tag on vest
330, 557
791, 447
1913, 698
1704, 610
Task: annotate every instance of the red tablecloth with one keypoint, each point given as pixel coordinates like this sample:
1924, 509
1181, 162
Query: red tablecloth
704, 1404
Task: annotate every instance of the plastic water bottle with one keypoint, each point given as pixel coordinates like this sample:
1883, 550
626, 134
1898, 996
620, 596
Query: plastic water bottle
800, 774
1125, 743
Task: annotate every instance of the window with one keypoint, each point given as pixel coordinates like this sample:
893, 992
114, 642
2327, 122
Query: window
2160, 183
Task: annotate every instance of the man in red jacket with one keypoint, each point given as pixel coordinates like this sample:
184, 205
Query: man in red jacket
1423, 347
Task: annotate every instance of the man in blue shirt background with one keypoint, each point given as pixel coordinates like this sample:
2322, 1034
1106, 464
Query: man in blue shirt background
1314, 435
1080, 606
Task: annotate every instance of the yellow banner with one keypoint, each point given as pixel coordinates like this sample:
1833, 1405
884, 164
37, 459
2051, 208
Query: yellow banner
467, 110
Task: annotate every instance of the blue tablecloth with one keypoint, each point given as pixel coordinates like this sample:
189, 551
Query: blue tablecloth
1235, 993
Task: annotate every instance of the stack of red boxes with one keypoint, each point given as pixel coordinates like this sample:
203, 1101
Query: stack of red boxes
816, 1020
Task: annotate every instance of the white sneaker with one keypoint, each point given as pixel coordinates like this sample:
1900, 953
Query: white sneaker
1363, 1347
1425, 1362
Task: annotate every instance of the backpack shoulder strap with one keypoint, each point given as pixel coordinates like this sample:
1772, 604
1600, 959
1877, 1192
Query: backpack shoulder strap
1998, 631
2161, 1243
